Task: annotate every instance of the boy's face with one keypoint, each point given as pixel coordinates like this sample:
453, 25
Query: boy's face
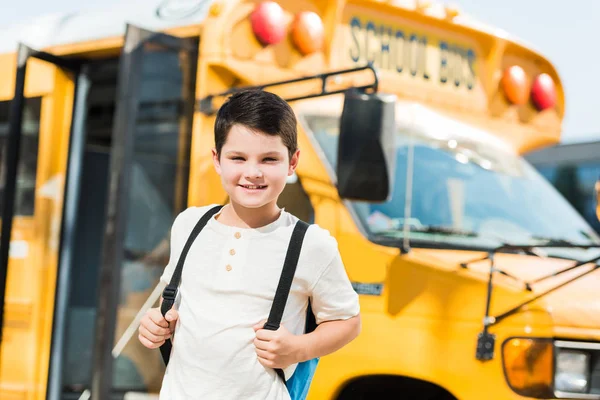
254, 167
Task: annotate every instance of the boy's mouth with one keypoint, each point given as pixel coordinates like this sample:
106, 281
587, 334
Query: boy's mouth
254, 187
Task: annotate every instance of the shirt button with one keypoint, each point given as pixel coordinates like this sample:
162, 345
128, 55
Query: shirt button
237, 235
228, 267
232, 252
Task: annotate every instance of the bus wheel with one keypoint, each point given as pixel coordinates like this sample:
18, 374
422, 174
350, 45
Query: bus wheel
388, 387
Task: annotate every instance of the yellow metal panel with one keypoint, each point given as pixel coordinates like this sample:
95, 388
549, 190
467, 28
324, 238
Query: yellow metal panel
38, 80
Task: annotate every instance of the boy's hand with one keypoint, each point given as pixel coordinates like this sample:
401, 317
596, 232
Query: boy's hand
155, 329
276, 349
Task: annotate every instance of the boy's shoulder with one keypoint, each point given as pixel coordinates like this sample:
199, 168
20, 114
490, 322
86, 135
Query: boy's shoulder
195, 211
190, 216
318, 242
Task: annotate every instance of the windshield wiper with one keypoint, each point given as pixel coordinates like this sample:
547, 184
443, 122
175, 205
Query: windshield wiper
444, 230
535, 250
557, 242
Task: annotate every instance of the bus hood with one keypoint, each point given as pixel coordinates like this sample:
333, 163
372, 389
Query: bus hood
574, 305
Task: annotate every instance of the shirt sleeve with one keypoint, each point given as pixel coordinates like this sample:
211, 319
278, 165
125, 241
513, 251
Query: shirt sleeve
332, 296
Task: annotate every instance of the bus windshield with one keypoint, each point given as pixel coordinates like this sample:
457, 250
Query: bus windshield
467, 191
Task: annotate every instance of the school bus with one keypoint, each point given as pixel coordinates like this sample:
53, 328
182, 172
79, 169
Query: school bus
477, 280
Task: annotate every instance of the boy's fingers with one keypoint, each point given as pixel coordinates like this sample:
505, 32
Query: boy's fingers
265, 355
147, 343
172, 315
155, 329
261, 344
154, 338
157, 318
265, 362
260, 325
264, 334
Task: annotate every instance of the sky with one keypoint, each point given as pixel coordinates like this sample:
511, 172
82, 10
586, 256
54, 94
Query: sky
563, 31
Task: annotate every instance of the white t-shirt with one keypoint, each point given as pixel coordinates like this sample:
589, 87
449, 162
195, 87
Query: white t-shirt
228, 284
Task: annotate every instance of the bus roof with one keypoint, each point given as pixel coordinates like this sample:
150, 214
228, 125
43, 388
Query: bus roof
73, 27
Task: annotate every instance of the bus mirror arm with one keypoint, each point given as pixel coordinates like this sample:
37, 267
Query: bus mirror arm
486, 340
205, 104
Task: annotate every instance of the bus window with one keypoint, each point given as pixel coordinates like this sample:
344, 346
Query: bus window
587, 175
26, 174
295, 200
481, 193
576, 181
566, 180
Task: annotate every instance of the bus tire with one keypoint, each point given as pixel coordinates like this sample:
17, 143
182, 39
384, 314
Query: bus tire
388, 387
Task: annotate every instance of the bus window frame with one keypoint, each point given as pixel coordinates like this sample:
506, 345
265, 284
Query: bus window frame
70, 206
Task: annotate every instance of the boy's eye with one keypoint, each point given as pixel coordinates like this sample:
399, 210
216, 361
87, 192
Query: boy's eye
237, 158
270, 159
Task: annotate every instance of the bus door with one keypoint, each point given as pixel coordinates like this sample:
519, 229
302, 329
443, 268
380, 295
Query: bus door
134, 182
36, 114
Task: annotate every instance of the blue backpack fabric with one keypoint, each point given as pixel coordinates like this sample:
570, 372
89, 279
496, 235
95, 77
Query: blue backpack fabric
299, 383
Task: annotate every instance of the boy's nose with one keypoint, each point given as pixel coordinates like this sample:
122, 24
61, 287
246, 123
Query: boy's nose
253, 172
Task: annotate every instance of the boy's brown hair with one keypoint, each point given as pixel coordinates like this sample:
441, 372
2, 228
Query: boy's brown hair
259, 111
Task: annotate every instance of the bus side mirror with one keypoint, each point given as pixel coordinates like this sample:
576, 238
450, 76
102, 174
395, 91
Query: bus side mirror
597, 189
366, 148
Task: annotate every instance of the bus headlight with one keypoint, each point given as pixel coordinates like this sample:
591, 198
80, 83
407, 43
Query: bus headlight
572, 371
528, 366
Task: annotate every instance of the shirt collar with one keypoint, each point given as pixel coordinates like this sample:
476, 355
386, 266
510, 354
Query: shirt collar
220, 227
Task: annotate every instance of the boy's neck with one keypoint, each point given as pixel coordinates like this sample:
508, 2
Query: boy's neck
241, 217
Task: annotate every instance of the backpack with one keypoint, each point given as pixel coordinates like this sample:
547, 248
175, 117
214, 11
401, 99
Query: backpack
299, 382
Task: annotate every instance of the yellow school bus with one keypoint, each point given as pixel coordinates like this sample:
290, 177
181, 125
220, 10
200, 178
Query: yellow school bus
476, 278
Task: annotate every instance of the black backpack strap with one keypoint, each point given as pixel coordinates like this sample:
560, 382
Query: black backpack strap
285, 280
170, 292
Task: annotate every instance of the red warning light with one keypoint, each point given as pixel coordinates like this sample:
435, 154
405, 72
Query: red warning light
543, 92
268, 23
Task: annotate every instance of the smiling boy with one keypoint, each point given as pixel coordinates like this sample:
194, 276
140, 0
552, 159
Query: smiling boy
220, 349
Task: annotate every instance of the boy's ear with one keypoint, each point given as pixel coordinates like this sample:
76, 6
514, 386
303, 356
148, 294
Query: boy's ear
294, 163
216, 161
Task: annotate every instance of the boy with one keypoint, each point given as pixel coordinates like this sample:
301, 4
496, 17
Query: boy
230, 277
